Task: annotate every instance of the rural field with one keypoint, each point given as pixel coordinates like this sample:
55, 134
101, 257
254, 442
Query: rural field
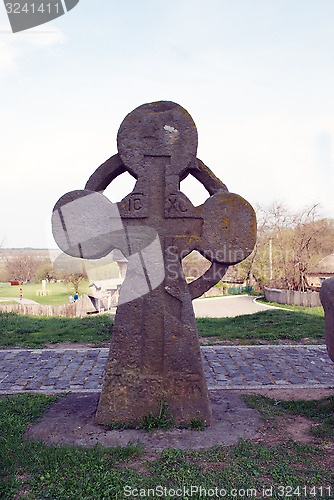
56, 293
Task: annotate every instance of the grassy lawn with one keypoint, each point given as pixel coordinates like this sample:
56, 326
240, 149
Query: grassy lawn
58, 293
267, 326
31, 470
316, 311
270, 326
36, 331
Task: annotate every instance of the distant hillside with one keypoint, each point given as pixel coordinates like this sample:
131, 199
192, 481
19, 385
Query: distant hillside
36, 253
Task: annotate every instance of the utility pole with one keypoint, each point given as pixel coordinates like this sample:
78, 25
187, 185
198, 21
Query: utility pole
271, 259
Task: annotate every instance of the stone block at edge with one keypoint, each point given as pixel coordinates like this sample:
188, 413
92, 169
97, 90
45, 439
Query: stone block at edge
327, 300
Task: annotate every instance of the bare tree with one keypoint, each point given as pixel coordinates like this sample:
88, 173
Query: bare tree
74, 279
3, 269
194, 265
311, 240
22, 267
253, 270
71, 270
299, 240
45, 271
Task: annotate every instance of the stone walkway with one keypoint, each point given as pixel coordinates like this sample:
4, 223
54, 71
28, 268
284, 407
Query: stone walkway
226, 367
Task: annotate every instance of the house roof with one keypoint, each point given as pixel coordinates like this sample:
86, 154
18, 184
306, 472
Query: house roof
110, 284
326, 265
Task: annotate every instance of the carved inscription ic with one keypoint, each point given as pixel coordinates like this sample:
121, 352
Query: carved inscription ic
135, 202
134, 206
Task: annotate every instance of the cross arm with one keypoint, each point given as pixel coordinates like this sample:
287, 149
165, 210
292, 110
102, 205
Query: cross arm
210, 278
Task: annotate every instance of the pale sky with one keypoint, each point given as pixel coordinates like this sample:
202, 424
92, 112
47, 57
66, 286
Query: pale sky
257, 76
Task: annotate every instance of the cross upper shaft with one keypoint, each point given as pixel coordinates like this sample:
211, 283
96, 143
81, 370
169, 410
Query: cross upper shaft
157, 144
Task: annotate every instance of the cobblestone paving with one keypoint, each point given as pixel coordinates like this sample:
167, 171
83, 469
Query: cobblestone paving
269, 366
226, 367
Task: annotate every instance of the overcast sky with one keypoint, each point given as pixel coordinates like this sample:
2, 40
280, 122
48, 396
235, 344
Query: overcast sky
257, 76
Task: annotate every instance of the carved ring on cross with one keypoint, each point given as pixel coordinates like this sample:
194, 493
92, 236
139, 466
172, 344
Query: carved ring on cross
155, 136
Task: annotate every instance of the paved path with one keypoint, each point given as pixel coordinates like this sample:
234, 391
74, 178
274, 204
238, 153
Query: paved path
226, 367
228, 306
21, 301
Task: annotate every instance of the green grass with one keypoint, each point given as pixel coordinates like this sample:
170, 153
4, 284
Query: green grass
58, 292
30, 470
267, 326
54, 472
271, 326
36, 331
161, 418
316, 311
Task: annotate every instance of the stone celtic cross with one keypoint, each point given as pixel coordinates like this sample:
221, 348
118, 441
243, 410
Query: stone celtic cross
155, 348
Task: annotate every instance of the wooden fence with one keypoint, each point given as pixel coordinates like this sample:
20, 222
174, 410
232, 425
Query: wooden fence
79, 308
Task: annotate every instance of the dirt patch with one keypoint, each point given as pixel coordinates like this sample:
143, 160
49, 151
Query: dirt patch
70, 420
203, 341
219, 341
281, 429
299, 429
295, 427
62, 345
293, 394
77, 345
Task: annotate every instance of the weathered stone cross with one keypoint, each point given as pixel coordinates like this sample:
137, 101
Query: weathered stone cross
155, 347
